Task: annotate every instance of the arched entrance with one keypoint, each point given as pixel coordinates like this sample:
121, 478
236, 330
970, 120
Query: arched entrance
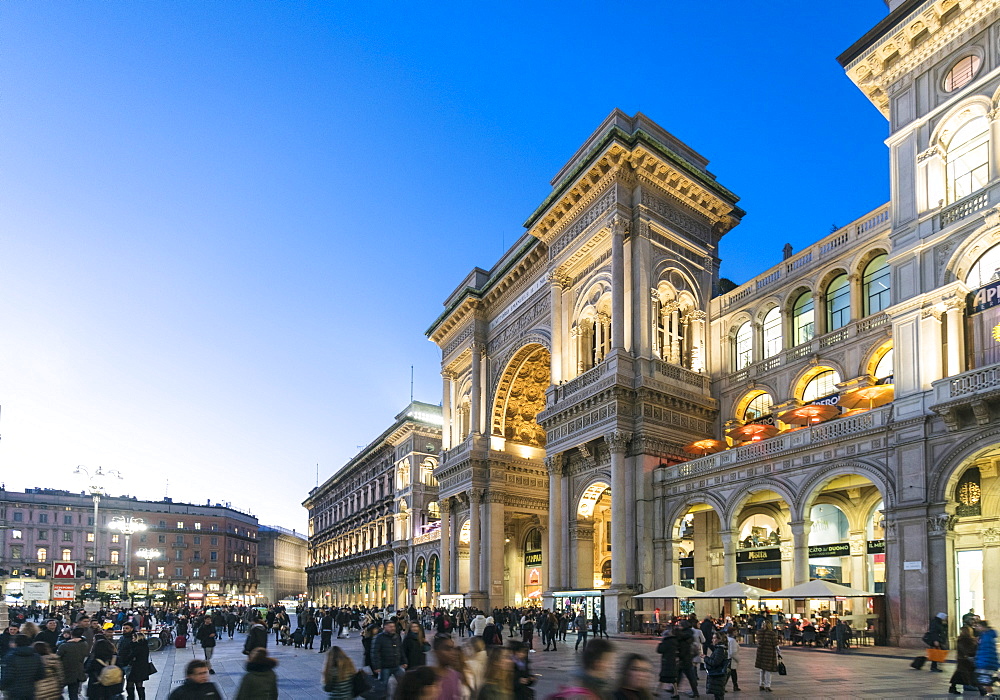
420, 582
696, 554
520, 398
402, 589
761, 524
592, 537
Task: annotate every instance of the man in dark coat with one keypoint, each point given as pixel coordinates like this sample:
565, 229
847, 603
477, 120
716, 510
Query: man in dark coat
207, 634
387, 653
49, 634
256, 637
7, 639
21, 668
73, 653
686, 654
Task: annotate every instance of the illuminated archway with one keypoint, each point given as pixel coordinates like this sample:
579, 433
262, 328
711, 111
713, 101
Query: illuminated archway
520, 397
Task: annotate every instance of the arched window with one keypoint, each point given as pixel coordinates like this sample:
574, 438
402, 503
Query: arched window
759, 407
803, 319
67, 555
42, 554
883, 370
743, 347
772, 332
838, 303
434, 510
533, 541
968, 159
823, 384
875, 285
985, 270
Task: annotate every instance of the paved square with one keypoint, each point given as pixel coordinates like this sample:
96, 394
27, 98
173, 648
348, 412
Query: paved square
877, 673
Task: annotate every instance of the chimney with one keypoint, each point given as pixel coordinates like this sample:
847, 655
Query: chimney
787, 251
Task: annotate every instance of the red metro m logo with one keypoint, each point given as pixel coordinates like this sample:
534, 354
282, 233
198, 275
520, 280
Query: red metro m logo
64, 569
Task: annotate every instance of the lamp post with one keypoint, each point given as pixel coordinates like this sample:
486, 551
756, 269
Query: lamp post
149, 555
127, 526
95, 484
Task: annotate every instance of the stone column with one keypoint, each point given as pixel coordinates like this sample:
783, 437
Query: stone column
446, 411
819, 313
940, 562
696, 324
859, 559
566, 576
994, 116
453, 583
582, 534
557, 282
476, 394
954, 322
857, 301
493, 544
617, 283
445, 558
929, 358
618, 443
631, 532
553, 561
729, 538
800, 551
475, 540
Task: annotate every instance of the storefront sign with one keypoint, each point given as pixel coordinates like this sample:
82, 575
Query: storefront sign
840, 549
532, 558
63, 591
984, 298
744, 556
831, 400
876, 546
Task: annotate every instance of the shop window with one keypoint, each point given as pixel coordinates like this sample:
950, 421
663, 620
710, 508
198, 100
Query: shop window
838, 303
968, 159
772, 332
803, 319
743, 346
822, 385
969, 494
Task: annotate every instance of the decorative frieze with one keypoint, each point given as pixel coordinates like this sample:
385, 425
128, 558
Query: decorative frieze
595, 212
673, 214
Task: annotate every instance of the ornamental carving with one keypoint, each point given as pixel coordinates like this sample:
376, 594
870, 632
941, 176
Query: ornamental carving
618, 441
991, 536
521, 397
941, 524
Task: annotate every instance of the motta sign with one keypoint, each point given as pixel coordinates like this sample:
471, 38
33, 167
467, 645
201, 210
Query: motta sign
744, 556
840, 549
64, 569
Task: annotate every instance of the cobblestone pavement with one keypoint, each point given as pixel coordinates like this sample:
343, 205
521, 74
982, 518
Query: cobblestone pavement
869, 673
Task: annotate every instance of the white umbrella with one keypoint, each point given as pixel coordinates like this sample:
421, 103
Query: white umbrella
736, 590
674, 591
821, 589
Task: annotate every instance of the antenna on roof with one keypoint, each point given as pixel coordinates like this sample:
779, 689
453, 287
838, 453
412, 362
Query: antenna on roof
411, 383
166, 490
317, 474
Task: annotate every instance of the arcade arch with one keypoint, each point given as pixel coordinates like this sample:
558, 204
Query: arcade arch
592, 535
520, 397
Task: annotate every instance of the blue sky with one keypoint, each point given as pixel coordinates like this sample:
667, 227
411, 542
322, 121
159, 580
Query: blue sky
226, 225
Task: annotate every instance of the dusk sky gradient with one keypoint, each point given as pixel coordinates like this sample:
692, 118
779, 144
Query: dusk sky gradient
227, 225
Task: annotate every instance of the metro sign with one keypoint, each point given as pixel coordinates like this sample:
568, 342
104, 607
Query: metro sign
64, 569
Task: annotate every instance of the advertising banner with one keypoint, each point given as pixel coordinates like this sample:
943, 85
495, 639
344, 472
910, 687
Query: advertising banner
63, 591
36, 590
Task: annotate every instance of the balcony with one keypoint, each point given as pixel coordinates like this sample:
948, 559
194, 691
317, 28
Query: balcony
817, 345
976, 201
787, 442
975, 391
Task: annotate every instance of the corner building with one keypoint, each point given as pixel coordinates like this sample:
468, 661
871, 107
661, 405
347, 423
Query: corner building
375, 525
851, 391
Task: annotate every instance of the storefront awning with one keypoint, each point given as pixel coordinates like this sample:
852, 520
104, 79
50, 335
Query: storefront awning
674, 591
821, 589
736, 590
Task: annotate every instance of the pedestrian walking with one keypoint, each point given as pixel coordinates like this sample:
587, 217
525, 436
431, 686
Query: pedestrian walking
206, 636
338, 675
767, 654
668, 650
935, 639
326, 632
987, 662
50, 685
965, 660
387, 654
197, 685
260, 682
734, 657
101, 655
73, 653
581, 629
139, 668
634, 679
499, 682
717, 665
256, 637
22, 668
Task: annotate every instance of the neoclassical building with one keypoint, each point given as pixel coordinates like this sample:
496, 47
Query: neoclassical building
617, 419
374, 526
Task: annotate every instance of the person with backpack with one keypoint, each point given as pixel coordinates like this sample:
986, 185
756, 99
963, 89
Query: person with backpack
102, 655
717, 666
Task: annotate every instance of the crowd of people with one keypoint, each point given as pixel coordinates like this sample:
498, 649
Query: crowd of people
459, 654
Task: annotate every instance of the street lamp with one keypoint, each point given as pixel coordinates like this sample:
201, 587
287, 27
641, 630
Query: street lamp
127, 526
96, 480
149, 555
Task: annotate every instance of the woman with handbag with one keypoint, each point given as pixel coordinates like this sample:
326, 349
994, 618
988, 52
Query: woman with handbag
140, 669
767, 655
